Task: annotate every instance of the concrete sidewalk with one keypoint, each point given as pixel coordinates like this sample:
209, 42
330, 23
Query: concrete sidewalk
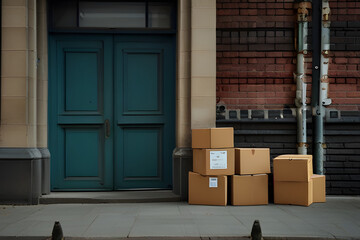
338, 218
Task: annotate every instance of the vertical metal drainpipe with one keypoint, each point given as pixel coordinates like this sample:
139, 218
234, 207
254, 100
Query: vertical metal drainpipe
301, 47
325, 50
0, 48
315, 93
321, 48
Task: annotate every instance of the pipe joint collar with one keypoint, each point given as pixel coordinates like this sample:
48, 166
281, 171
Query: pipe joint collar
326, 102
302, 11
326, 12
300, 102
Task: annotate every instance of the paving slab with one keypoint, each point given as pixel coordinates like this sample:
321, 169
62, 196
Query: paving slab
338, 218
110, 225
165, 226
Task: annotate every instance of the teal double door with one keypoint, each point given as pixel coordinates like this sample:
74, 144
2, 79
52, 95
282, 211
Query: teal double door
111, 111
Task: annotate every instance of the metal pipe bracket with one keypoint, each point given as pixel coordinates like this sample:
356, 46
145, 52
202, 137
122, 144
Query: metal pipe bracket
325, 53
326, 14
302, 11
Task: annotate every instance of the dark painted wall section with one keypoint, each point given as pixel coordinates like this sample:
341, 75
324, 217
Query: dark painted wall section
342, 153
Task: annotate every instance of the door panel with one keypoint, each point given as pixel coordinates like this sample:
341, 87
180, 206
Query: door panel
145, 99
77, 142
81, 69
145, 162
80, 87
144, 111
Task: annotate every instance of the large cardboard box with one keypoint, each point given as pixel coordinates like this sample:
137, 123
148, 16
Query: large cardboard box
213, 138
293, 193
214, 161
252, 160
249, 189
207, 190
319, 188
292, 168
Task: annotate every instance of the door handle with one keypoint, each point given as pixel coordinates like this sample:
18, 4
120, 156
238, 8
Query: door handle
107, 128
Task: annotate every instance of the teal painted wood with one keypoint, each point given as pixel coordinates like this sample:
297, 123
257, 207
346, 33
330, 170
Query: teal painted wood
129, 80
82, 149
145, 162
81, 80
142, 88
80, 100
144, 78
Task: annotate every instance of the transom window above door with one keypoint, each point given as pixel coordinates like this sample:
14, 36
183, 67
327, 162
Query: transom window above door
111, 14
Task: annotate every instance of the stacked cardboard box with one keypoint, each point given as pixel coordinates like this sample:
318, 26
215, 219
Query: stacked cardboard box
294, 182
213, 161
250, 184
319, 188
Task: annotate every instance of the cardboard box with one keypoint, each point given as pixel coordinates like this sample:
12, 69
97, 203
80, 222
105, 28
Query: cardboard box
214, 161
249, 190
207, 190
252, 160
296, 168
213, 138
293, 193
319, 188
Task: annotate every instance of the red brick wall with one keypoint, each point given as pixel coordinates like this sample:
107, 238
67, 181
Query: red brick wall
344, 68
256, 54
256, 57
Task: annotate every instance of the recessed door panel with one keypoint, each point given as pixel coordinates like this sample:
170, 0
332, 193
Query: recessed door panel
82, 79
142, 81
142, 153
83, 147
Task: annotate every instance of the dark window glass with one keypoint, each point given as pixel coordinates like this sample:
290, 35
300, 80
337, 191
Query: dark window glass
112, 14
159, 15
64, 14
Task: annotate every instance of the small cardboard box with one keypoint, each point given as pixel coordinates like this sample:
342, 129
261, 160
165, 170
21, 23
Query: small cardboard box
249, 190
252, 160
214, 161
213, 138
293, 193
207, 190
292, 168
319, 188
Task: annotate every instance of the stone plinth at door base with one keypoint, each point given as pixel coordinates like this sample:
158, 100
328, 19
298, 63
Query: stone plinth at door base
182, 164
24, 175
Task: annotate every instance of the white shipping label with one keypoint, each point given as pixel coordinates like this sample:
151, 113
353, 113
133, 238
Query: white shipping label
218, 159
213, 182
